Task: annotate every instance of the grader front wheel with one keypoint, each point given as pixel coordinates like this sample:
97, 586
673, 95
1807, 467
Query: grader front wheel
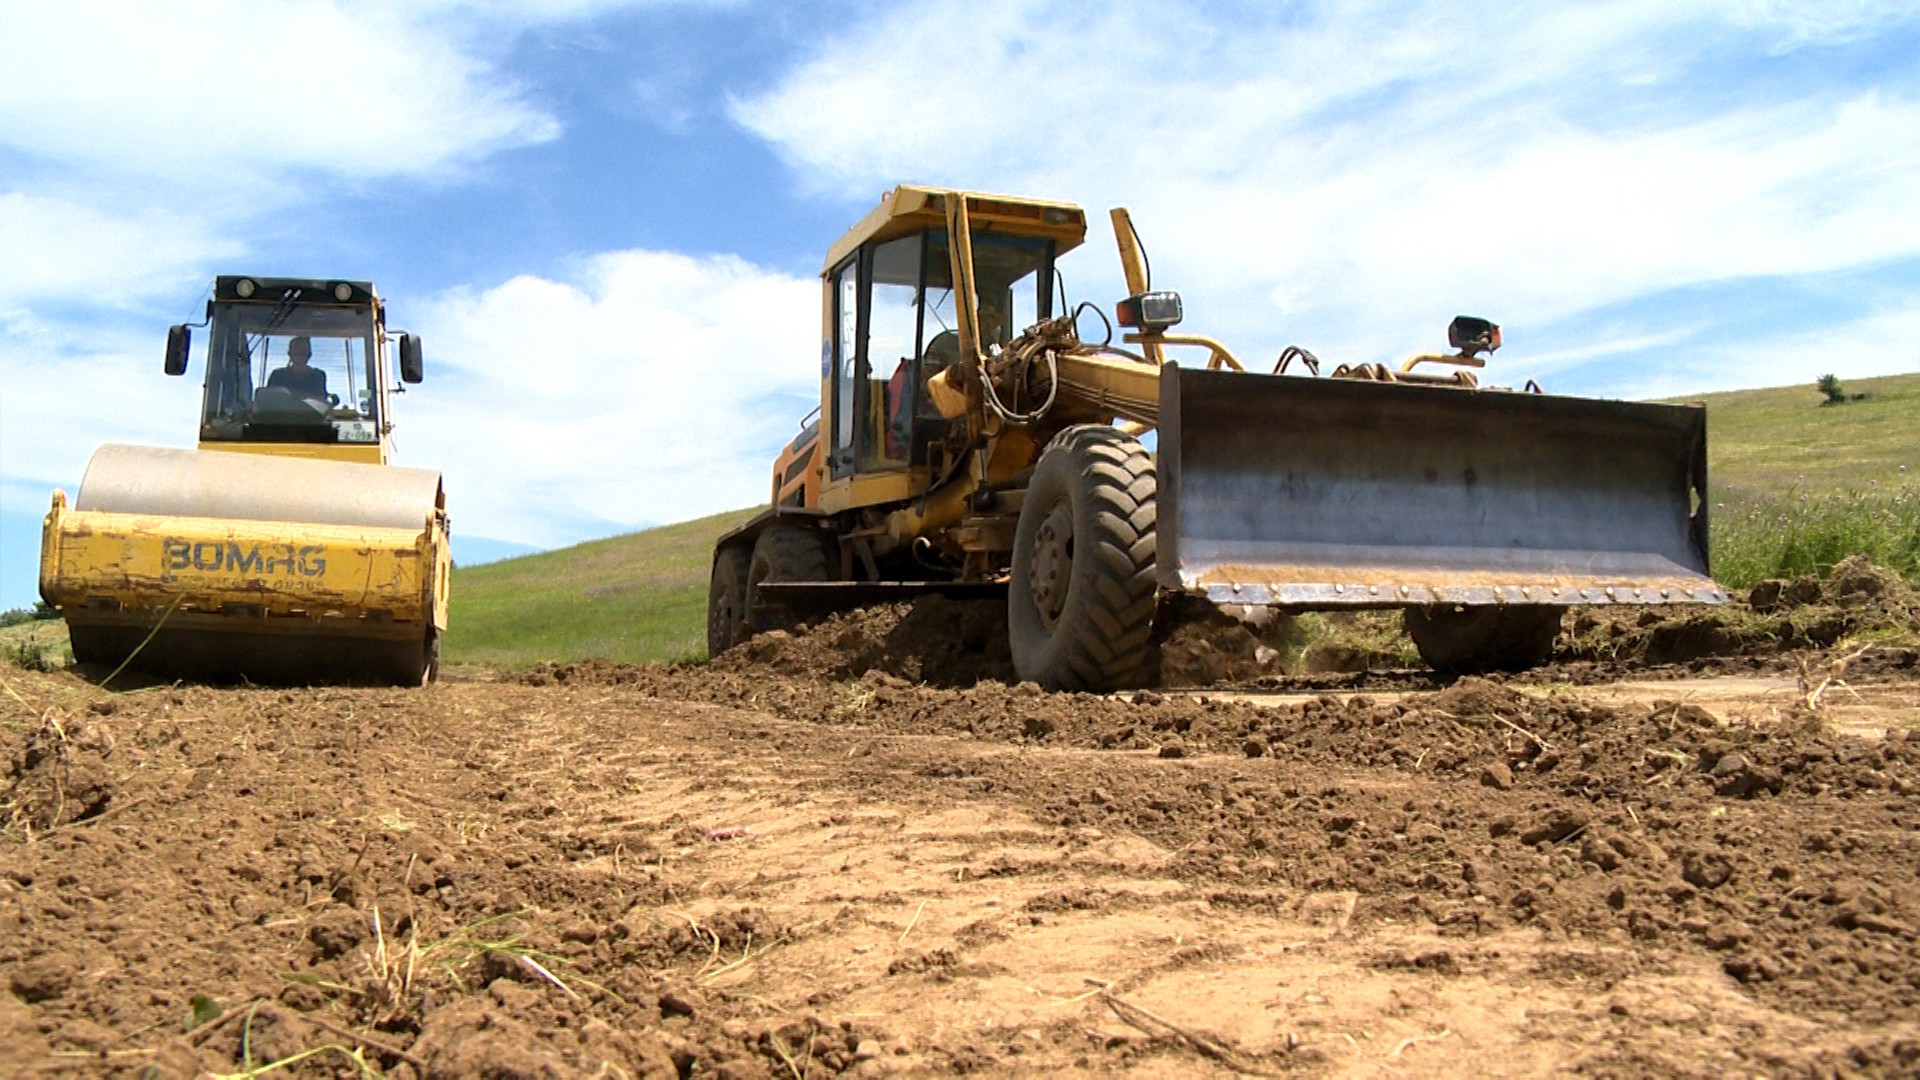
1080, 603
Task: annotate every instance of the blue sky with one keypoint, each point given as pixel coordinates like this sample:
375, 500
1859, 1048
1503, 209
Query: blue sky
606, 218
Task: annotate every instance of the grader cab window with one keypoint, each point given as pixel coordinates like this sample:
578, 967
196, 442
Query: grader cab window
280, 374
1012, 274
884, 418
893, 336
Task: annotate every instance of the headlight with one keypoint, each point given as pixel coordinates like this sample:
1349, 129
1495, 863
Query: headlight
243, 288
1154, 312
342, 292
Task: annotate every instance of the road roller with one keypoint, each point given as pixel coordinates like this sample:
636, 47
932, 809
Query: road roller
284, 549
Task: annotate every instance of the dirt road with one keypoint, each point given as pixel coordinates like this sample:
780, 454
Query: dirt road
726, 870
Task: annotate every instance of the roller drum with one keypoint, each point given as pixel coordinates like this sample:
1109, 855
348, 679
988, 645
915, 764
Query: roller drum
222, 566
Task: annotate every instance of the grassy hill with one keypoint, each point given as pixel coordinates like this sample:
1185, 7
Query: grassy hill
1784, 440
1798, 485
639, 597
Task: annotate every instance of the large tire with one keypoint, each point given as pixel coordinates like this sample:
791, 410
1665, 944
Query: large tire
1470, 640
783, 553
727, 599
1080, 603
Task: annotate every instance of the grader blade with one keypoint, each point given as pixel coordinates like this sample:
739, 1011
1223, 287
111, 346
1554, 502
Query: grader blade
1336, 493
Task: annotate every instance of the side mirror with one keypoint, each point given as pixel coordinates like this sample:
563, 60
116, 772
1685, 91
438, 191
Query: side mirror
179, 340
410, 362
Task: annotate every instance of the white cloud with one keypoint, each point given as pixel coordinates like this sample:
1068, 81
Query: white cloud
1825, 22
148, 143
1884, 343
1347, 176
65, 398
143, 146
222, 89
646, 387
61, 248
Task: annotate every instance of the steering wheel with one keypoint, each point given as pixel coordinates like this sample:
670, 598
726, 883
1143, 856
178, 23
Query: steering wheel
280, 402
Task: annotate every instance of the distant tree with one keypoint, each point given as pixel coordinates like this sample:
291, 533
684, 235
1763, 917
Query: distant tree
1830, 386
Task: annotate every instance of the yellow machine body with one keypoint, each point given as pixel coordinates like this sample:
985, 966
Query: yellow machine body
284, 549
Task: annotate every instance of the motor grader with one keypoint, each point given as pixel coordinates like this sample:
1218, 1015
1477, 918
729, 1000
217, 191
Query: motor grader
286, 548
969, 441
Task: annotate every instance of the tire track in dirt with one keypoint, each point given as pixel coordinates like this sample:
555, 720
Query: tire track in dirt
726, 869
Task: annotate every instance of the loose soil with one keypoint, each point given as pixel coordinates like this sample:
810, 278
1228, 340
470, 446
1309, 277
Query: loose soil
1689, 847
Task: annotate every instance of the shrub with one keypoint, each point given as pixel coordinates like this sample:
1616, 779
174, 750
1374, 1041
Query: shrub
31, 654
40, 610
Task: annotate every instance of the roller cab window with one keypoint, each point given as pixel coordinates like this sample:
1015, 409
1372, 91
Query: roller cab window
291, 374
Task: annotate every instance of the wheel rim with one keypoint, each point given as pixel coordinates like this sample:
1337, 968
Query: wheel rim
1052, 572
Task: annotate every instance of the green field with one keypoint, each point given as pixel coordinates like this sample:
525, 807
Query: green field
1798, 485
640, 597
1784, 440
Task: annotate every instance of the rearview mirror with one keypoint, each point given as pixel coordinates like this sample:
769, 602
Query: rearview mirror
179, 340
411, 369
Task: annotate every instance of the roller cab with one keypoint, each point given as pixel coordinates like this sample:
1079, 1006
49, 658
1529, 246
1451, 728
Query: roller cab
285, 549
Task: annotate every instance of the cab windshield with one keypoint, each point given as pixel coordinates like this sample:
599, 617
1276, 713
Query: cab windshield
911, 336
282, 373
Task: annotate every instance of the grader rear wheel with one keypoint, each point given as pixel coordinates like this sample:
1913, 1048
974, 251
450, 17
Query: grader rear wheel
1469, 640
783, 553
727, 599
1080, 603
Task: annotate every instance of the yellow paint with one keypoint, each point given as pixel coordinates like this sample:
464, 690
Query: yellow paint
107, 561
362, 453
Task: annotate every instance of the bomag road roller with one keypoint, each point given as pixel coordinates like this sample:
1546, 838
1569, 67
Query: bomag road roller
285, 549
969, 441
